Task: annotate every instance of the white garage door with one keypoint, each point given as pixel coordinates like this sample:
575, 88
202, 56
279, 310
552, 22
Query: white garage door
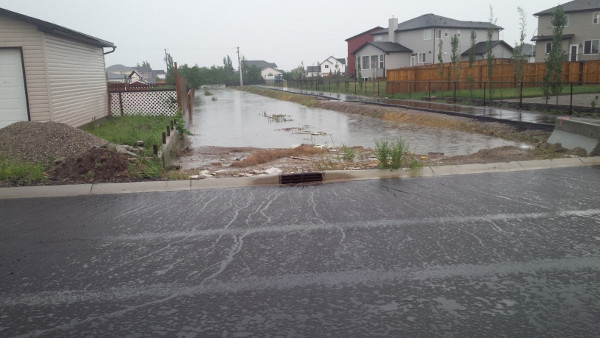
13, 102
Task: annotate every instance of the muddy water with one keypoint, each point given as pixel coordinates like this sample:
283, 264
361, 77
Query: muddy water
239, 119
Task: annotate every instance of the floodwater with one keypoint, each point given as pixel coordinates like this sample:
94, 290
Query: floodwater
489, 112
232, 118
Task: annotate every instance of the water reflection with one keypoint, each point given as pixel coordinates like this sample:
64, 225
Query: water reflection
237, 119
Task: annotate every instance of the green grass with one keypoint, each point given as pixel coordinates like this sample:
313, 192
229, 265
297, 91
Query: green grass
499, 93
129, 129
390, 153
369, 88
22, 173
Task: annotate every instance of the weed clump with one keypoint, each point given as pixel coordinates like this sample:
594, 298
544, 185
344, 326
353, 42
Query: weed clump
391, 154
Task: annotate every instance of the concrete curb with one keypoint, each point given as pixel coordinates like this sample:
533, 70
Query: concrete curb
273, 180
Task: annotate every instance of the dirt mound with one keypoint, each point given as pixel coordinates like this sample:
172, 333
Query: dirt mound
45, 141
94, 165
268, 155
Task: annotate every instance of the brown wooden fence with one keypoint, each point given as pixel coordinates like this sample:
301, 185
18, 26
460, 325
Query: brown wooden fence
415, 79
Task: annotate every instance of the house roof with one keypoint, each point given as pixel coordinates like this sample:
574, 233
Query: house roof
365, 32
432, 20
481, 47
385, 46
573, 6
313, 69
260, 64
550, 37
342, 61
57, 30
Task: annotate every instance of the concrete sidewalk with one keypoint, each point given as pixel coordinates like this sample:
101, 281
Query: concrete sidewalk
329, 176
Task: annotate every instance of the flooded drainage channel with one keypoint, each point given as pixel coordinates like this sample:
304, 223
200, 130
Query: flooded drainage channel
237, 119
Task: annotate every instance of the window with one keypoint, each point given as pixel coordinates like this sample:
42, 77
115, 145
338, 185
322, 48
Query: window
374, 59
596, 18
591, 46
458, 33
326, 66
438, 33
566, 20
381, 63
422, 57
427, 34
548, 47
365, 62
378, 38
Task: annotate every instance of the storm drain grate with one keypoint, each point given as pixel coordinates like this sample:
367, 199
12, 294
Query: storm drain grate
300, 178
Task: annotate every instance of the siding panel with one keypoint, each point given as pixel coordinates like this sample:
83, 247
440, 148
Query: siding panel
78, 91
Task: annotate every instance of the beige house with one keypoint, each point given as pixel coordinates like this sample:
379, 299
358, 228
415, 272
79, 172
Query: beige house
49, 72
581, 35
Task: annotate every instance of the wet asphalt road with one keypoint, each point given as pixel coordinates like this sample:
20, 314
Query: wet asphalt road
501, 254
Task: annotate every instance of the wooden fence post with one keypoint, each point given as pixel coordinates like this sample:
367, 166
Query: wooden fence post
121, 102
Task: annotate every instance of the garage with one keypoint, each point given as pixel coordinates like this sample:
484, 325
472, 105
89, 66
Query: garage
13, 99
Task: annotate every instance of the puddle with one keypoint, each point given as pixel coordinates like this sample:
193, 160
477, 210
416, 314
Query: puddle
240, 119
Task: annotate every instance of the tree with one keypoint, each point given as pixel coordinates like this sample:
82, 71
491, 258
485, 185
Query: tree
552, 80
470, 78
489, 51
170, 69
227, 63
440, 58
455, 56
518, 52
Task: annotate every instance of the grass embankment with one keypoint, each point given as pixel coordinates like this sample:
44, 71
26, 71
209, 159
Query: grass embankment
131, 129
22, 173
304, 100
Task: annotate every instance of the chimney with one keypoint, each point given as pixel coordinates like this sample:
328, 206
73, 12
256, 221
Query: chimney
393, 25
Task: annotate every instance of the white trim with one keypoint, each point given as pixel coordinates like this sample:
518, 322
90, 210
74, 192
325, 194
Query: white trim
576, 52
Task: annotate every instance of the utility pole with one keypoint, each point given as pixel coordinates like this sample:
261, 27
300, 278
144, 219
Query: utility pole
240, 67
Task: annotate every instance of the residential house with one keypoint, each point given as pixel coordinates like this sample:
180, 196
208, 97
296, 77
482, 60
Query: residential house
581, 35
500, 50
313, 71
375, 57
268, 70
333, 66
50, 73
354, 43
416, 42
115, 73
161, 76
135, 77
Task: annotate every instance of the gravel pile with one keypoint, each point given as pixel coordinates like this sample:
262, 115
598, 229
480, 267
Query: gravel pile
45, 141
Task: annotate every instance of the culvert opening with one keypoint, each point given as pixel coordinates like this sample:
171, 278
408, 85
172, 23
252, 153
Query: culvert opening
300, 178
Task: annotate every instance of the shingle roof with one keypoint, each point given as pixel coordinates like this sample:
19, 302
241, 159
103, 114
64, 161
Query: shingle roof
54, 29
481, 47
365, 32
260, 64
385, 46
432, 20
573, 6
313, 69
342, 61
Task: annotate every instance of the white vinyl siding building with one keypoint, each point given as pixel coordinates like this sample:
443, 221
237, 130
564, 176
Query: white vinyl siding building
64, 75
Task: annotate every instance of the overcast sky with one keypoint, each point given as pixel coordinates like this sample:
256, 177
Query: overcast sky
280, 31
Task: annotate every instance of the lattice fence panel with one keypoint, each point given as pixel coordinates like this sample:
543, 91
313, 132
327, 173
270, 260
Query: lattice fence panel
145, 103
